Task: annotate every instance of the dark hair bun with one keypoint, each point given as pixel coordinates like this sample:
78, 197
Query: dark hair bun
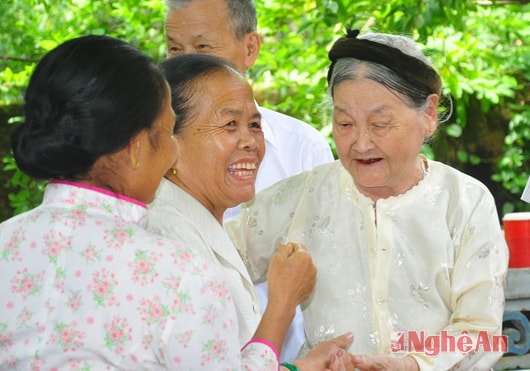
87, 98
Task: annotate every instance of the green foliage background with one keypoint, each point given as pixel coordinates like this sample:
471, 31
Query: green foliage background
481, 51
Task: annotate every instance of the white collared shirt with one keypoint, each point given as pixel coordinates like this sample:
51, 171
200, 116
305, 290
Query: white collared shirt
526, 193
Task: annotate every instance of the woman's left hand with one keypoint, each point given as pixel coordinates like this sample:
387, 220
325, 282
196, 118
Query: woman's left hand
340, 362
380, 362
328, 355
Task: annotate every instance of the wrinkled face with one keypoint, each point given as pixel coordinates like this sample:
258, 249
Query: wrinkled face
220, 149
201, 27
379, 136
162, 154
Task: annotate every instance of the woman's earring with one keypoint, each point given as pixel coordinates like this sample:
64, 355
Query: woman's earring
174, 171
137, 166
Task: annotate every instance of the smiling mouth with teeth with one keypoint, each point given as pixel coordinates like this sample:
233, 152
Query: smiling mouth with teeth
247, 169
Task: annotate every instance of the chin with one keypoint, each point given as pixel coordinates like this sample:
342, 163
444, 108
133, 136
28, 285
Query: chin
245, 195
369, 181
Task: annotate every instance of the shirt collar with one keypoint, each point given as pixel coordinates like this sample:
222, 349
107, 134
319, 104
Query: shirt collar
270, 138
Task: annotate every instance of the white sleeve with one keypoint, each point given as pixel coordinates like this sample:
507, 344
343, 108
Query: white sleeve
204, 332
477, 293
526, 193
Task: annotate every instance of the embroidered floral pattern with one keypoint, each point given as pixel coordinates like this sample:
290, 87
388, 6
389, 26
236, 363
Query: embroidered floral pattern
91, 254
213, 351
102, 287
118, 333
118, 236
143, 267
56, 242
67, 336
26, 283
74, 300
11, 250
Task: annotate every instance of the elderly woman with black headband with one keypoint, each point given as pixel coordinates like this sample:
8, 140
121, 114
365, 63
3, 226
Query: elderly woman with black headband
409, 251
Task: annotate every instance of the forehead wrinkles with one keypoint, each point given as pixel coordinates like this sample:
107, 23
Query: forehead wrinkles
209, 112
366, 112
182, 35
347, 100
217, 94
225, 109
194, 23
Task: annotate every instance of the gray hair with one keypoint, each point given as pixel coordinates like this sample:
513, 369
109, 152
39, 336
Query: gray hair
241, 15
352, 69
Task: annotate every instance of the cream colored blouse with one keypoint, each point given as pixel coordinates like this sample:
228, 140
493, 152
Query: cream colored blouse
431, 259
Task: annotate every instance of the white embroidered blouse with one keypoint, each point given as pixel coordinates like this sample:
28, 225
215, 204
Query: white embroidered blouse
431, 259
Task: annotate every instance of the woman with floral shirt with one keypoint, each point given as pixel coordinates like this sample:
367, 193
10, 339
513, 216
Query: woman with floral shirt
83, 285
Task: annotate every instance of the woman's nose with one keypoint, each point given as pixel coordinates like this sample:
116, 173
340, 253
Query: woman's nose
248, 139
363, 140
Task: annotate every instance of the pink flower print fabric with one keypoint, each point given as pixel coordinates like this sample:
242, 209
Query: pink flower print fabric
84, 286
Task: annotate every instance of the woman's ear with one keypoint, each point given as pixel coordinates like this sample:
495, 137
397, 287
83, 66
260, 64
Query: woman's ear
432, 105
135, 152
181, 148
431, 114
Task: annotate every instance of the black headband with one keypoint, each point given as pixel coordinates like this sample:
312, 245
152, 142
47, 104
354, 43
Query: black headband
410, 68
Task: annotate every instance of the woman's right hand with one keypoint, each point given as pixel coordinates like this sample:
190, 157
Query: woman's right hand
383, 362
328, 355
291, 277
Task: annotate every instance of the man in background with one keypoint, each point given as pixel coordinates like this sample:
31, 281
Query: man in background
228, 28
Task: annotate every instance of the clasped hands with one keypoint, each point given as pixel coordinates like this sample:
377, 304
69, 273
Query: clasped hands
330, 355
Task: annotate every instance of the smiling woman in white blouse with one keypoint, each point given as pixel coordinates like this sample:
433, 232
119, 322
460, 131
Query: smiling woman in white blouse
220, 147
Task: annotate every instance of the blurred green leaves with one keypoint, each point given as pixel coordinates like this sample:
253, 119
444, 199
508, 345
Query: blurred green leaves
481, 51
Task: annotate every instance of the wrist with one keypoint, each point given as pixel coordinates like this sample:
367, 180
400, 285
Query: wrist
289, 366
411, 363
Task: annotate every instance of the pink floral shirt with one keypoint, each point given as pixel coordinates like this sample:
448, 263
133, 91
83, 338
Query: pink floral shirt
83, 286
